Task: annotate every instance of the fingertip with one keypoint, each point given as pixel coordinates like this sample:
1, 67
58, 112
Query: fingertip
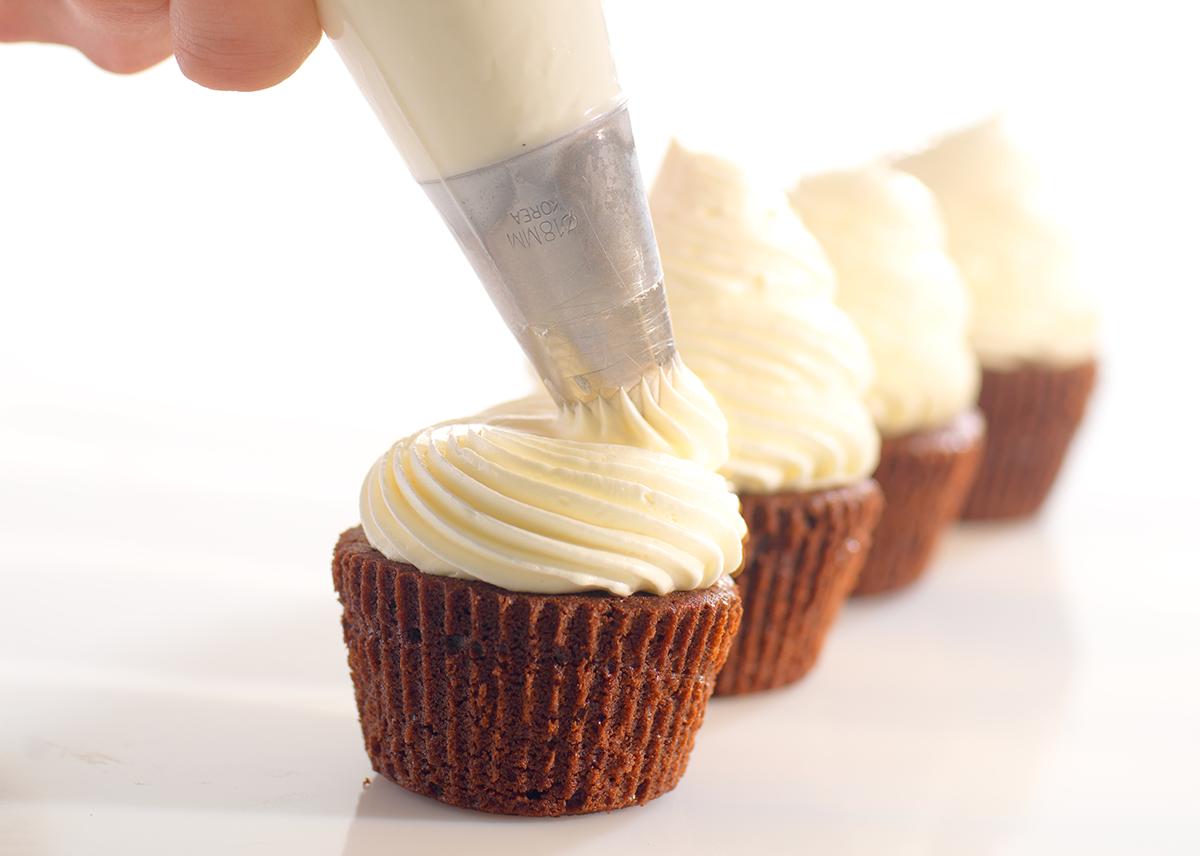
126, 60
243, 46
241, 68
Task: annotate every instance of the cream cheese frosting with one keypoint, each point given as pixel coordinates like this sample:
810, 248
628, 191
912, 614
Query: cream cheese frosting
882, 232
614, 495
463, 84
670, 412
1015, 257
749, 290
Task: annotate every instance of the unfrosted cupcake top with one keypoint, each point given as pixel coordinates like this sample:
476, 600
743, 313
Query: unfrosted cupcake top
1028, 308
881, 229
749, 291
615, 495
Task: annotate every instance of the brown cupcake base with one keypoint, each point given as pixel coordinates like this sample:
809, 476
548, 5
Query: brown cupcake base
803, 555
925, 478
1032, 415
526, 704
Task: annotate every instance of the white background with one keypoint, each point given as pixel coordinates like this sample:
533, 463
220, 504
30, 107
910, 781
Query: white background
217, 309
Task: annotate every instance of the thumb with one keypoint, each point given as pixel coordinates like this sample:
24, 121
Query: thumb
243, 45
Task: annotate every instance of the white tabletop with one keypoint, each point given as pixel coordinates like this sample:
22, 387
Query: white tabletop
218, 309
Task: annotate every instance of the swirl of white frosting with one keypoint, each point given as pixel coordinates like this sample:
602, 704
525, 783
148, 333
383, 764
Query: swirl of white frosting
1016, 258
669, 412
545, 514
749, 291
881, 229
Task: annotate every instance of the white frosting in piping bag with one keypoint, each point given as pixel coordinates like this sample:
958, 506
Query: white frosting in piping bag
463, 84
881, 230
1028, 308
749, 291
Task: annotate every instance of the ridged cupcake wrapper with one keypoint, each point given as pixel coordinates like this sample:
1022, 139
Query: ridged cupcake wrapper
1032, 415
925, 478
526, 704
803, 555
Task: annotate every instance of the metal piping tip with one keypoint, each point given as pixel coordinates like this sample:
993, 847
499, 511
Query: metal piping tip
561, 238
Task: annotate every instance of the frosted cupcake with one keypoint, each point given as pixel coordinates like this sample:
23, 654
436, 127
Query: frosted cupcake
881, 230
537, 602
750, 294
1034, 330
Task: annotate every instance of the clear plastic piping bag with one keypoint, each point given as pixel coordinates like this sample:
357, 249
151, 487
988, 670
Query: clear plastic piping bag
559, 231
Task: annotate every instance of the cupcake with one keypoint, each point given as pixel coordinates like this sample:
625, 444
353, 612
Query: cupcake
881, 231
536, 607
750, 295
1034, 330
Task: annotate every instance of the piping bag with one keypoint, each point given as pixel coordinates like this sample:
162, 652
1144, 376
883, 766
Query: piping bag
509, 115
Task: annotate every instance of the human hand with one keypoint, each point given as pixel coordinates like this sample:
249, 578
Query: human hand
221, 44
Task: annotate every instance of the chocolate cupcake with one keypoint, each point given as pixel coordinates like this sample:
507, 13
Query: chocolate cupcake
1034, 330
882, 232
925, 477
527, 704
1032, 416
750, 294
802, 558
535, 622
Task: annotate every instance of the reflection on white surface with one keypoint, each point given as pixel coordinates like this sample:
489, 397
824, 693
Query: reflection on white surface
216, 309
